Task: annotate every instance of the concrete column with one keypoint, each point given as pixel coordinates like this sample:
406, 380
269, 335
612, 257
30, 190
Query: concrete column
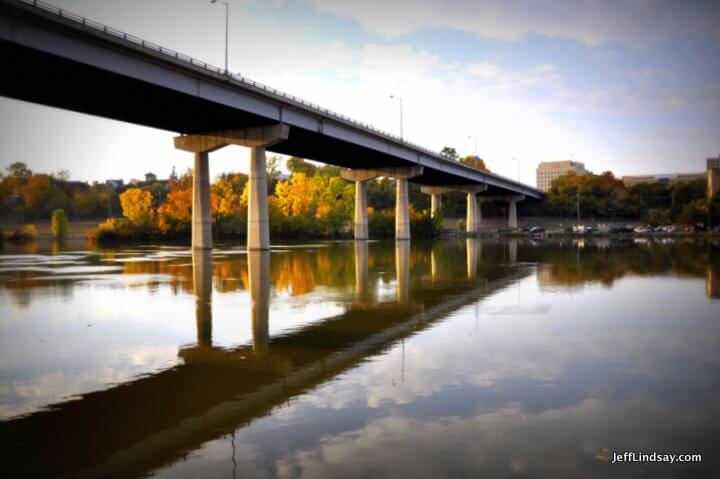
435, 203
402, 271
402, 212
202, 284
512, 214
258, 233
259, 284
361, 272
201, 218
361, 216
472, 224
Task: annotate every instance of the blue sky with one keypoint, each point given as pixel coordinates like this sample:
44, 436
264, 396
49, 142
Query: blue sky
626, 86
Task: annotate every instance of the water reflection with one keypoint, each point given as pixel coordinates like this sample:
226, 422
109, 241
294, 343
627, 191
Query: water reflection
378, 361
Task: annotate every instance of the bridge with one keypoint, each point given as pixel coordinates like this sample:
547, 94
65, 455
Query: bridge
56, 58
140, 425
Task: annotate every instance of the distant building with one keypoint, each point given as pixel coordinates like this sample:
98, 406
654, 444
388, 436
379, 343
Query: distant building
549, 171
115, 185
713, 176
150, 178
666, 179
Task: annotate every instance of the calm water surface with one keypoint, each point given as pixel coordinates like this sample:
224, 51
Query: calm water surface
450, 359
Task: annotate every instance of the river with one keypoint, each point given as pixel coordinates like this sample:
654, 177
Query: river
462, 358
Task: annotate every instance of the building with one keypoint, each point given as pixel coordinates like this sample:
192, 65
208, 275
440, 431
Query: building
150, 178
549, 171
713, 176
666, 179
115, 185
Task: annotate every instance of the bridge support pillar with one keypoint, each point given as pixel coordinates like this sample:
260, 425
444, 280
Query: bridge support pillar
201, 219
512, 214
361, 214
472, 222
257, 139
402, 271
473, 217
258, 225
435, 203
402, 212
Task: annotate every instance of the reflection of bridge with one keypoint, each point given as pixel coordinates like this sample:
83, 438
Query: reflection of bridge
138, 426
58, 59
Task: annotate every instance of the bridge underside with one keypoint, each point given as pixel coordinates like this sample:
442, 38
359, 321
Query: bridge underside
46, 79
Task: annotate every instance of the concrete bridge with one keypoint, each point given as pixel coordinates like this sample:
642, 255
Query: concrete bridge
55, 58
136, 427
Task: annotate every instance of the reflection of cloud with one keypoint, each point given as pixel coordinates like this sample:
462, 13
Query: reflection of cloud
560, 442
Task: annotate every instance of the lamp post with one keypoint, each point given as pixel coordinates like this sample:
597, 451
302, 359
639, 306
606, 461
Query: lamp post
227, 14
401, 114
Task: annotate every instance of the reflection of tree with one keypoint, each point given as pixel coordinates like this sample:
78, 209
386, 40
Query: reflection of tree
567, 265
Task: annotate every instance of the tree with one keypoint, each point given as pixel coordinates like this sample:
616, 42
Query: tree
475, 161
137, 205
298, 165
62, 175
449, 153
272, 167
19, 170
59, 224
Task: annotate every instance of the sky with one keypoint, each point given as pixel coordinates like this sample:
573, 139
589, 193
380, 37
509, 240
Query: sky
631, 86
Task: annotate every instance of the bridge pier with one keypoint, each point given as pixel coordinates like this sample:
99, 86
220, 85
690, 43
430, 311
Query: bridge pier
435, 204
259, 285
361, 272
257, 139
512, 201
473, 218
402, 204
201, 217
473, 249
402, 271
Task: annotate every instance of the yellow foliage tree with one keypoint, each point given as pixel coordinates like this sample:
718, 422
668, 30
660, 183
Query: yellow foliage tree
295, 196
137, 205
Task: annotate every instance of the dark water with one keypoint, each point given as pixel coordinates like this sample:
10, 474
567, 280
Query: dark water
451, 359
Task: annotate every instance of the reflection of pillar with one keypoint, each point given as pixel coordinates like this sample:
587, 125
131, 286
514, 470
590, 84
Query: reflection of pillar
202, 284
474, 248
512, 214
472, 223
512, 251
402, 271
361, 271
712, 283
361, 215
435, 204
402, 212
259, 283
258, 233
201, 220
433, 265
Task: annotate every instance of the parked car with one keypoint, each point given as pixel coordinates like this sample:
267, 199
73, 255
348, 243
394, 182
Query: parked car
642, 229
536, 230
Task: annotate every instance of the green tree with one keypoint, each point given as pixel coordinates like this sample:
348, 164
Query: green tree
298, 165
449, 153
19, 170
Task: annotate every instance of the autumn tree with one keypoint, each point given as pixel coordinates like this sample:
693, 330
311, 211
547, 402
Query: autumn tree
137, 206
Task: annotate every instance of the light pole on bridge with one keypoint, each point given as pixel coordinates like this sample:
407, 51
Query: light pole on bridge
401, 114
227, 15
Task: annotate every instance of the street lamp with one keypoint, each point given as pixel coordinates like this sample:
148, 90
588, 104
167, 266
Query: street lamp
227, 14
401, 114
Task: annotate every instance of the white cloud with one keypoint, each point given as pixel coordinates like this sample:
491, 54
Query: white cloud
633, 22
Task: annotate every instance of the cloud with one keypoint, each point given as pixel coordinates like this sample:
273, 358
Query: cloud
635, 23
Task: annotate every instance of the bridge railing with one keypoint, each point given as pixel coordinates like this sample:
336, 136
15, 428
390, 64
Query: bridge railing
236, 79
